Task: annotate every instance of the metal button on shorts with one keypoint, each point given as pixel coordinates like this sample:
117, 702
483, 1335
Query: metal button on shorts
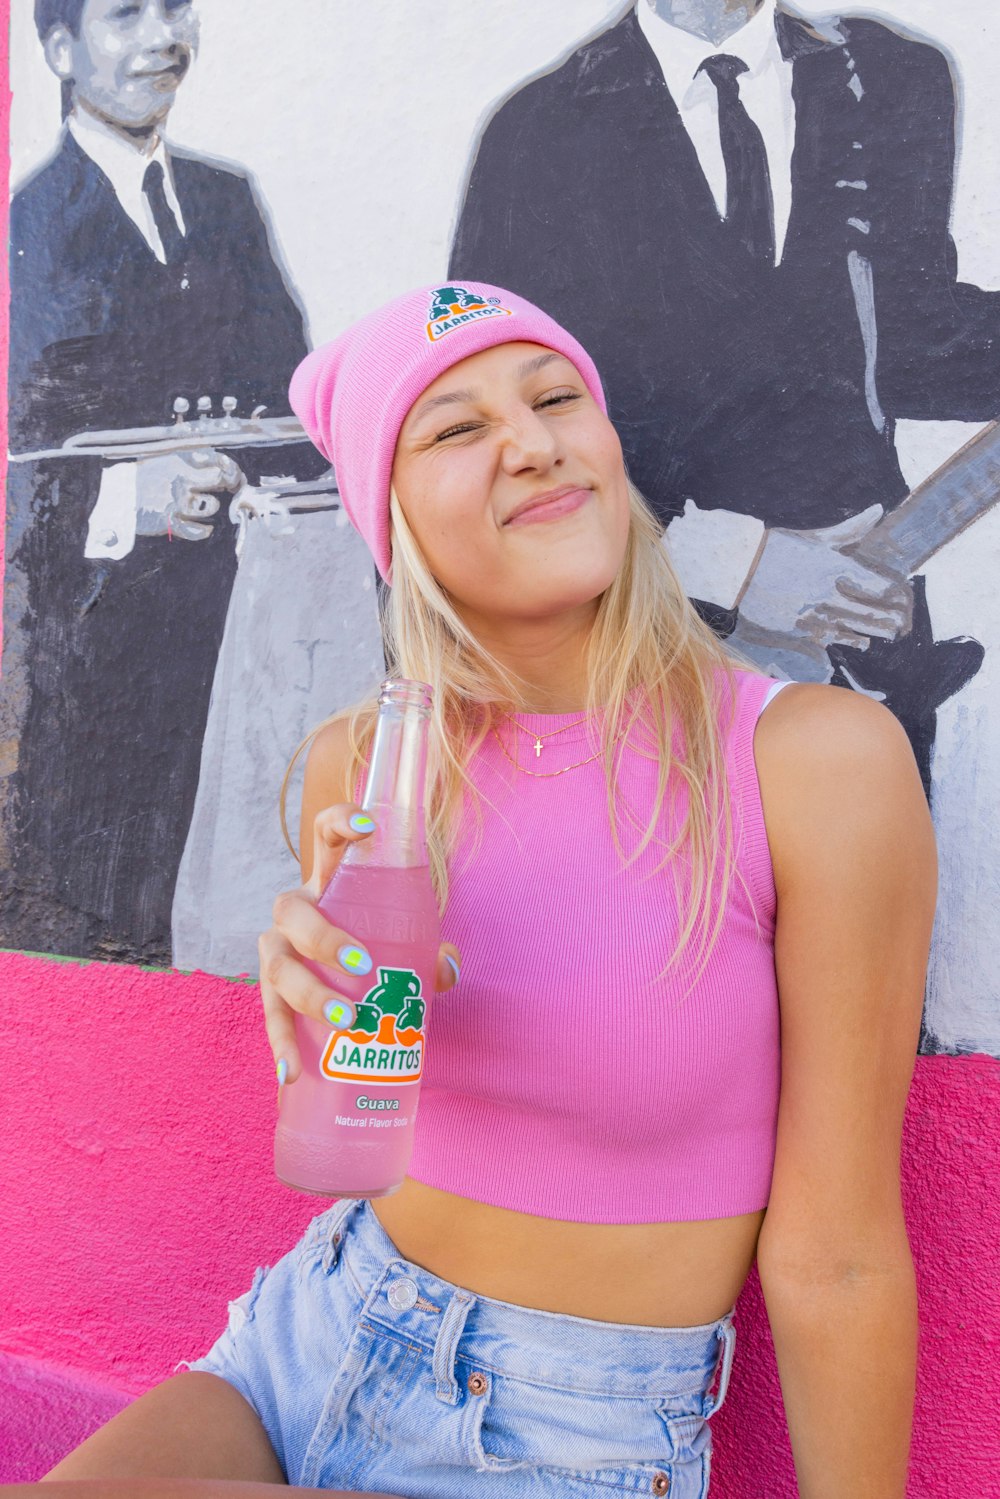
402, 1294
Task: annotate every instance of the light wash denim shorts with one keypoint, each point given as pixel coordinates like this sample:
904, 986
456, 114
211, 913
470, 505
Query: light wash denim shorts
369, 1373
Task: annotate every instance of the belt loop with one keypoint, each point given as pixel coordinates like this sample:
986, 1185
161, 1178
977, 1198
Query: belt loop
727, 1332
446, 1345
335, 1229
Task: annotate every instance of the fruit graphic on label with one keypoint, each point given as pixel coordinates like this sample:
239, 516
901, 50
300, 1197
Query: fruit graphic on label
385, 1042
366, 1020
411, 1017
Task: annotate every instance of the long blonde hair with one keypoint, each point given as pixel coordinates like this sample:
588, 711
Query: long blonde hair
652, 669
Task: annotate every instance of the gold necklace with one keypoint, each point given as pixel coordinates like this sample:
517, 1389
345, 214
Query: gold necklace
538, 738
544, 775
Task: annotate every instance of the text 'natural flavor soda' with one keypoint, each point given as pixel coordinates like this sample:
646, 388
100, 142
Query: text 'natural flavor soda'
345, 1127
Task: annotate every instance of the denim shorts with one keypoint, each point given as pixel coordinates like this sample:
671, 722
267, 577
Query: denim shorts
369, 1373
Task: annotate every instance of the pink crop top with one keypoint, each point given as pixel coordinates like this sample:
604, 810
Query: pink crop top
563, 1077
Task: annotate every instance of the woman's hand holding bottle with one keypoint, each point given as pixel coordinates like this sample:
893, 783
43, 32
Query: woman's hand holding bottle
301, 932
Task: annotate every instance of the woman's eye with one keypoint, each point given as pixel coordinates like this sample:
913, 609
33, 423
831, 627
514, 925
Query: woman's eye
463, 429
559, 397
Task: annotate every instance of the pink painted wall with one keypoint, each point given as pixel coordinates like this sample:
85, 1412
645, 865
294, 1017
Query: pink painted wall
138, 1198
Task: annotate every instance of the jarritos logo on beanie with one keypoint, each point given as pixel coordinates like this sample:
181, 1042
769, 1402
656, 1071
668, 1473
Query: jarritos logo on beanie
453, 306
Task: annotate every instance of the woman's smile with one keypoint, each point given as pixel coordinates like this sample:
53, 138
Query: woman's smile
552, 505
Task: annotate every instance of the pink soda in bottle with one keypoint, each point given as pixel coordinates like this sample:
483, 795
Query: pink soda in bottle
345, 1126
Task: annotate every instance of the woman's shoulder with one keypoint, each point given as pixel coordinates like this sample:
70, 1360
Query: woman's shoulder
811, 723
329, 763
331, 742
835, 768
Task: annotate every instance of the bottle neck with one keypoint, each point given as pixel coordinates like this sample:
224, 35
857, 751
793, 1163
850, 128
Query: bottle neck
394, 790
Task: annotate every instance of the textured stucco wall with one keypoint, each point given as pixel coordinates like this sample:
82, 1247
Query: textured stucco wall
139, 1198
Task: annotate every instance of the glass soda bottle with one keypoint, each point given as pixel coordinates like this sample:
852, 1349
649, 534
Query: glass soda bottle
345, 1126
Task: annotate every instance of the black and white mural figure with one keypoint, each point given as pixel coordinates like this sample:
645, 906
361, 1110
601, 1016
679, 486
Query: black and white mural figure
744, 215
149, 321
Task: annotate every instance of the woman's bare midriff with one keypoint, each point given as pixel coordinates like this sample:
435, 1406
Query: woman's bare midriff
647, 1274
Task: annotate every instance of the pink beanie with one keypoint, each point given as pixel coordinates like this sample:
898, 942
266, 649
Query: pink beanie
352, 395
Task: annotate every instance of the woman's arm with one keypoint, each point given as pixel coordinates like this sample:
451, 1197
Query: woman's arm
855, 869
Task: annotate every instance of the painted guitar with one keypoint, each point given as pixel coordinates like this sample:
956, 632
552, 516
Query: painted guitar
957, 494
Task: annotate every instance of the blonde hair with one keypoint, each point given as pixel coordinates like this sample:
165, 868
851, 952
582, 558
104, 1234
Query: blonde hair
652, 666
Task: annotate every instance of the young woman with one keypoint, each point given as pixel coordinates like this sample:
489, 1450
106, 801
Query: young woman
691, 914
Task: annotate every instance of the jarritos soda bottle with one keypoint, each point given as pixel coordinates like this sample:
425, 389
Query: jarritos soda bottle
345, 1126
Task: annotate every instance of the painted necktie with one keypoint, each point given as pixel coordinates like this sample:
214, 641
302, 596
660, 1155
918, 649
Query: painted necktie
171, 237
749, 207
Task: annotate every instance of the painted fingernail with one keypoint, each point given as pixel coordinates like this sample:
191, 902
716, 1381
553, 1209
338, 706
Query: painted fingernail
282, 1070
453, 965
335, 1012
361, 823
354, 959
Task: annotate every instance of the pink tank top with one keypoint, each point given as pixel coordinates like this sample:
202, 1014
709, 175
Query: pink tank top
564, 1077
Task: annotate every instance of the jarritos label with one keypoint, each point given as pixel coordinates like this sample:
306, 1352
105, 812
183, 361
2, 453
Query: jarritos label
453, 306
385, 1043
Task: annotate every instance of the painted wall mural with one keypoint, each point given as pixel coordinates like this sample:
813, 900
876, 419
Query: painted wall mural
776, 232
153, 335
759, 340
745, 216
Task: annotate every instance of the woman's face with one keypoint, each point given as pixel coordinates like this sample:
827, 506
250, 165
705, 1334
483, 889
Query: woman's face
511, 479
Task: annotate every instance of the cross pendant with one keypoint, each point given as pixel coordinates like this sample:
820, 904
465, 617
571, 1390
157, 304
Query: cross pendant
538, 748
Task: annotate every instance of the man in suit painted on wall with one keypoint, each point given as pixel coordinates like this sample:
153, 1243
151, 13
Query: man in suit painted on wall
745, 218
139, 274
